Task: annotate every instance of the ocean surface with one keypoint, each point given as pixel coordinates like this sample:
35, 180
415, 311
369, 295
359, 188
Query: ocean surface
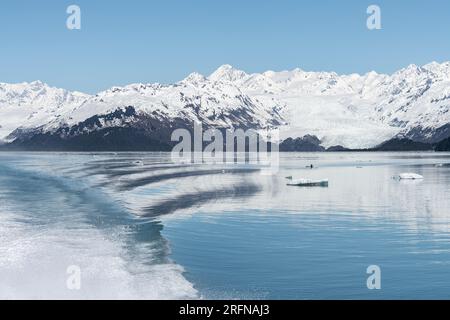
141, 227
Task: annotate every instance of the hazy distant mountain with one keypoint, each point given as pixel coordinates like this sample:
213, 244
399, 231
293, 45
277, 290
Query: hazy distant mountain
353, 111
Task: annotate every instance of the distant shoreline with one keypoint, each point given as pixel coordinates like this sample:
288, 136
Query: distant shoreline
140, 143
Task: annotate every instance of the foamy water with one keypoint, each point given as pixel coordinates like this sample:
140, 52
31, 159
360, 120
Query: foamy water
49, 223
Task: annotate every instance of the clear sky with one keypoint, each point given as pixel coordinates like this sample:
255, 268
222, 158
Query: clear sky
122, 42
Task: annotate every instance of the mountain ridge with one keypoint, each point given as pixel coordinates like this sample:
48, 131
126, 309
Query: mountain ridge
354, 111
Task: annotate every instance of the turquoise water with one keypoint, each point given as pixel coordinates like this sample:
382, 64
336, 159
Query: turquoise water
139, 226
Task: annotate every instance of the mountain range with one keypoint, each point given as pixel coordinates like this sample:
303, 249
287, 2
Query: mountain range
350, 111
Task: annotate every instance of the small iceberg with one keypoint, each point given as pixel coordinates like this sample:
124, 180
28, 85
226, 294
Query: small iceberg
309, 183
409, 176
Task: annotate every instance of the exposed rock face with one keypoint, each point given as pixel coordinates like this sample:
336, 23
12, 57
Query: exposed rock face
403, 144
444, 145
306, 144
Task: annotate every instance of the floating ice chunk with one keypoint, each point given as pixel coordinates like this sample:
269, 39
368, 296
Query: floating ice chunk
409, 176
309, 183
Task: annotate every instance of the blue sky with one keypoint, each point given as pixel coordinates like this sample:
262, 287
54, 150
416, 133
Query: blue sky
121, 42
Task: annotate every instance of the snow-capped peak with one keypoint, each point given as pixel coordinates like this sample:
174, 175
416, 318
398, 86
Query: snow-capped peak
227, 73
194, 77
37, 93
440, 70
410, 71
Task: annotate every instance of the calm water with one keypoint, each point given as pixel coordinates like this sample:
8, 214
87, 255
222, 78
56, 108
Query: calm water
139, 226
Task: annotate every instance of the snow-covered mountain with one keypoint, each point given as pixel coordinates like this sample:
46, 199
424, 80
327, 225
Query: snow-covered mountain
30, 105
355, 111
